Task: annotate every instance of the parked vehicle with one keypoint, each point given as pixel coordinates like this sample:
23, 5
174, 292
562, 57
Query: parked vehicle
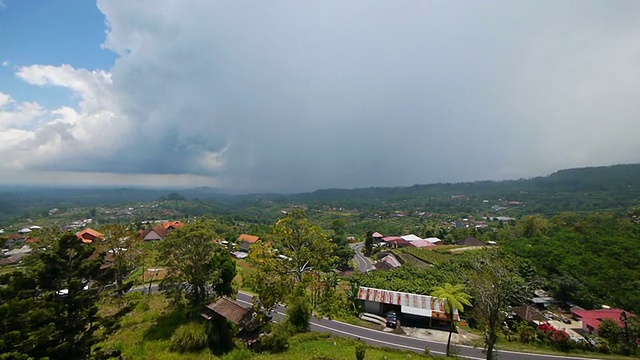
392, 319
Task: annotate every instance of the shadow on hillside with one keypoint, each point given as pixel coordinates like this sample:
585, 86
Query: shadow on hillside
166, 324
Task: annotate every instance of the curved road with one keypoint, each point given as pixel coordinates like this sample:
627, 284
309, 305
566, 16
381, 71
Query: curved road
364, 264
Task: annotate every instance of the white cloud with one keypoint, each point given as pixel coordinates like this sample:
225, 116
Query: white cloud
5, 63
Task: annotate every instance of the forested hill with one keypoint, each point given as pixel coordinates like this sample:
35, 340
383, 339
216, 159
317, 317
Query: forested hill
606, 188
611, 188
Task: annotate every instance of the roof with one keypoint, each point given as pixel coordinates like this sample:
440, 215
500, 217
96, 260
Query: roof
433, 240
529, 313
248, 238
421, 244
592, 318
411, 237
229, 310
87, 235
159, 230
172, 225
470, 241
417, 304
376, 235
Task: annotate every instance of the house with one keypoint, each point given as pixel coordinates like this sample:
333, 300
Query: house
158, 232
244, 318
161, 231
388, 262
172, 225
89, 235
591, 318
470, 241
434, 240
529, 314
246, 240
395, 241
421, 243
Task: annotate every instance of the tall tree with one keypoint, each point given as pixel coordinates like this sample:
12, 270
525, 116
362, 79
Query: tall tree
495, 284
294, 248
455, 298
122, 247
198, 269
49, 310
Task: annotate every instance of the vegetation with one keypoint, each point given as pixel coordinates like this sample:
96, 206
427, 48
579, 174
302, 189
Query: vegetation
455, 299
50, 309
198, 269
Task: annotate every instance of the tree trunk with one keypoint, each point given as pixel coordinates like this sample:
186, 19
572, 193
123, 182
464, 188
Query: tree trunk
449, 341
490, 351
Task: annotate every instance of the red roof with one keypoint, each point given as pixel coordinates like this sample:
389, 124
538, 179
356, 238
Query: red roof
248, 238
592, 318
172, 225
89, 235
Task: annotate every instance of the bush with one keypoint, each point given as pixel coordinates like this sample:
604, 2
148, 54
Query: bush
361, 350
277, 340
190, 337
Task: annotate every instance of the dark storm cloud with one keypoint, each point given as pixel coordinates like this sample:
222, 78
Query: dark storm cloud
284, 97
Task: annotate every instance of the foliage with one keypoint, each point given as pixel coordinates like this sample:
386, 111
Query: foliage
299, 310
122, 246
589, 260
190, 337
495, 284
277, 340
198, 269
361, 351
294, 249
455, 298
50, 309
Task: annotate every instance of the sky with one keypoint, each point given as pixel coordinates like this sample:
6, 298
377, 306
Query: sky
280, 96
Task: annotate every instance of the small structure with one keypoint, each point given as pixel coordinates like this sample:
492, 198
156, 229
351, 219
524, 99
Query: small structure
416, 308
395, 241
225, 308
89, 235
388, 262
591, 319
470, 241
421, 244
161, 231
529, 314
246, 241
434, 240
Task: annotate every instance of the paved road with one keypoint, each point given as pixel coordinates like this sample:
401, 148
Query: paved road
381, 338
364, 263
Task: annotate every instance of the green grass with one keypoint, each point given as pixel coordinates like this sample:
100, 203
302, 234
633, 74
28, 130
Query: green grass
145, 333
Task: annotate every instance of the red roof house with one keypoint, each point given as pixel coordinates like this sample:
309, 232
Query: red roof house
591, 318
89, 236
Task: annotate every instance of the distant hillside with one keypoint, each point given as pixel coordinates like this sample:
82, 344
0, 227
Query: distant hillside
609, 188
606, 188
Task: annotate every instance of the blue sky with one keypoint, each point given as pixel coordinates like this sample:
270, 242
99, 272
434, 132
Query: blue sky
278, 96
50, 32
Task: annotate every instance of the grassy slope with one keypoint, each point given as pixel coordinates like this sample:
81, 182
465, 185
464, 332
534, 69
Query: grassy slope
145, 334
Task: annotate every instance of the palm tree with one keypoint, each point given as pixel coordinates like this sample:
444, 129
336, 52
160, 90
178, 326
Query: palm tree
454, 298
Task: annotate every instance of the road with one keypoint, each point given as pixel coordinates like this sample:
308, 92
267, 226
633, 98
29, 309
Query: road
364, 264
386, 339
402, 342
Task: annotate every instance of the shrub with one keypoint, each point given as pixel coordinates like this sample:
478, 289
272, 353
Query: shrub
361, 350
278, 339
190, 337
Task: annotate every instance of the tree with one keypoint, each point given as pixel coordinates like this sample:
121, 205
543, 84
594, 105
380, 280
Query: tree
122, 246
293, 248
49, 310
368, 244
342, 252
495, 284
198, 270
455, 298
